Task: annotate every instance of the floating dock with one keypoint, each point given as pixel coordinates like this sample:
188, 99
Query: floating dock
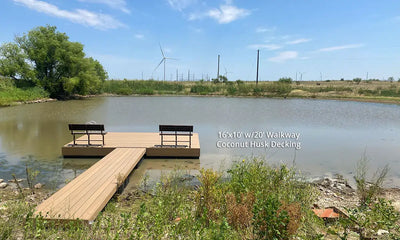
85, 196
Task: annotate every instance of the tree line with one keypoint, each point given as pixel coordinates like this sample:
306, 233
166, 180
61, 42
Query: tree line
46, 58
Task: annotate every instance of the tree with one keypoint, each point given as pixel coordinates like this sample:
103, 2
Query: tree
53, 62
357, 80
13, 64
285, 80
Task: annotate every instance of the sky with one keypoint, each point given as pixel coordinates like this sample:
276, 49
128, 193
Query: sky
310, 39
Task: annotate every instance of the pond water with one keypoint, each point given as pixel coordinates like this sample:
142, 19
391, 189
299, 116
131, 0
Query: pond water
328, 136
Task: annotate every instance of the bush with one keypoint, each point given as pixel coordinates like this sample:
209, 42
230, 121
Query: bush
285, 80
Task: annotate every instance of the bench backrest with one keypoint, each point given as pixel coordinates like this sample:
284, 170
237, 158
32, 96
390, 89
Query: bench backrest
86, 127
176, 128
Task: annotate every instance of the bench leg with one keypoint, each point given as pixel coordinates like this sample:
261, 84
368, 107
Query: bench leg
103, 138
162, 140
190, 141
176, 139
74, 138
88, 139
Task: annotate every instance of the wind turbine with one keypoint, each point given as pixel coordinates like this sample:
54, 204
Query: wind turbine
163, 60
226, 73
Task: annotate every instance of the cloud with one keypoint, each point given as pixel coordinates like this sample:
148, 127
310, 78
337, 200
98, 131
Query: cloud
284, 56
180, 5
227, 13
224, 14
265, 46
297, 41
139, 36
342, 47
264, 29
116, 4
81, 16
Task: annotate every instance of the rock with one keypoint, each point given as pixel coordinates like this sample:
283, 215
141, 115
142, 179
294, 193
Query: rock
18, 180
38, 186
1, 180
3, 185
382, 232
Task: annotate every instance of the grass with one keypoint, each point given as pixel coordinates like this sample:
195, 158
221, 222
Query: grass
251, 200
374, 91
379, 91
10, 94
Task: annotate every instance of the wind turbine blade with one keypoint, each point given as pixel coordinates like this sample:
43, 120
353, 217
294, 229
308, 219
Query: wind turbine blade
162, 60
162, 52
172, 58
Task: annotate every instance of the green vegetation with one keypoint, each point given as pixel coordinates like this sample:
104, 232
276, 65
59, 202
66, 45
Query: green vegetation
372, 213
142, 87
46, 58
251, 200
9, 94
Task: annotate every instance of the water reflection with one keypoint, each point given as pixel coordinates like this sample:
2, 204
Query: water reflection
153, 169
333, 134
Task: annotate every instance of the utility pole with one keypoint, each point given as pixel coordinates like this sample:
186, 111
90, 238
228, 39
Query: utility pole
258, 64
177, 75
218, 67
188, 75
296, 76
367, 76
320, 75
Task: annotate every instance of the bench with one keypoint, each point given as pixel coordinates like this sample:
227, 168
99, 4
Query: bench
176, 130
88, 129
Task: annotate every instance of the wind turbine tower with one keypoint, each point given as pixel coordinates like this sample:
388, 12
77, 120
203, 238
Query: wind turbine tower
163, 60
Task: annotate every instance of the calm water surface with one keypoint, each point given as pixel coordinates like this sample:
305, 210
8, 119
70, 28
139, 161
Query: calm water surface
333, 135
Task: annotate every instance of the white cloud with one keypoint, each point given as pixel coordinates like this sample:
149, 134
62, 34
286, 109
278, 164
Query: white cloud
336, 48
265, 46
227, 13
284, 56
81, 16
116, 4
139, 36
264, 29
297, 41
181, 4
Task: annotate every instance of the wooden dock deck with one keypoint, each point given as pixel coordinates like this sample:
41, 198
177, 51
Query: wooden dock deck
113, 140
85, 196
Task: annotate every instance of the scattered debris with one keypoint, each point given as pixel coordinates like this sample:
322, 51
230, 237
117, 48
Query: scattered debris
38, 186
3, 185
326, 213
382, 232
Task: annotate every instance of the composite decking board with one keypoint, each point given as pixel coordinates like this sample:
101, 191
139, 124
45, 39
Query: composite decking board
75, 182
67, 202
65, 195
107, 190
85, 196
130, 139
94, 195
79, 196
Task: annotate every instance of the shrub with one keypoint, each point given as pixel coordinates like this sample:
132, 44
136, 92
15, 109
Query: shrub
285, 80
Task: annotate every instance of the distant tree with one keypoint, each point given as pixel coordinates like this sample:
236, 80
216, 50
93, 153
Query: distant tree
285, 80
390, 79
223, 79
47, 58
215, 80
357, 80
